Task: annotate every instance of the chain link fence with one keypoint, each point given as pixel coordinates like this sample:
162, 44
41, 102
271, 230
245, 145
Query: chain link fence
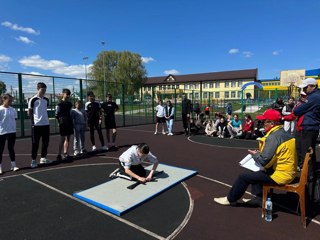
136, 106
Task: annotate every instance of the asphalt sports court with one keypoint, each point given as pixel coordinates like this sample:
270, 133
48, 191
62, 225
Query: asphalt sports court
39, 203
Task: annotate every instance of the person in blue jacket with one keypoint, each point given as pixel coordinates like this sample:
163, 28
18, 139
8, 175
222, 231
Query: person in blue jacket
309, 111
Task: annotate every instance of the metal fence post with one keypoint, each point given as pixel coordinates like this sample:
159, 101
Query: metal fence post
123, 107
21, 102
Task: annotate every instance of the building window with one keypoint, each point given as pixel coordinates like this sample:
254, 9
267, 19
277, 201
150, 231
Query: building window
196, 95
217, 95
149, 88
233, 94
239, 94
164, 87
190, 96
226, 84
211, 95
240, 83
211, 85
205, 95
217, 84
226, 94
197, 86
185, 86
160, 87
177, 86
205, 85
169, 87
233, 84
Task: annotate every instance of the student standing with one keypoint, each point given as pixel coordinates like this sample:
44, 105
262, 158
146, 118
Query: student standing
169, 115
94, 115
37, 111
79, 117
186, 110
109, 108
160, 117
63, 115
8, 116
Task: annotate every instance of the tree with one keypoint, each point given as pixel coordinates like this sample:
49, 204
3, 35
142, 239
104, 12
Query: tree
3, 87
122, 71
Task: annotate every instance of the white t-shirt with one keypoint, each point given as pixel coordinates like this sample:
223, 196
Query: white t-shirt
160, 111
7, 120
131, 157
39, 107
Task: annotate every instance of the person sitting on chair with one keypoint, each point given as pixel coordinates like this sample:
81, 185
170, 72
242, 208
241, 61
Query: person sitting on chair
277, 154
130, 164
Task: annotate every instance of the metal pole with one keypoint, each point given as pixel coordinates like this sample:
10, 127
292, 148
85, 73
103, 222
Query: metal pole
104, 73
85, 72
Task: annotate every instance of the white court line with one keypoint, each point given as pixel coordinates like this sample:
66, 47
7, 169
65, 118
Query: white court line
283, 207
212, 145
152, 234
187, 217
171, 236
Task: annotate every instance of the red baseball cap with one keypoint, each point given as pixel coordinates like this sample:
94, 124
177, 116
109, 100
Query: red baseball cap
270, 114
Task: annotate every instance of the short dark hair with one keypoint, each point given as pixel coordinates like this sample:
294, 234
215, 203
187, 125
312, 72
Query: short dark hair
90, 93
144, 148
41, 85
66, 90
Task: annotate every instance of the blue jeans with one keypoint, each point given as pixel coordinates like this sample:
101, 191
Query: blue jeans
169, 125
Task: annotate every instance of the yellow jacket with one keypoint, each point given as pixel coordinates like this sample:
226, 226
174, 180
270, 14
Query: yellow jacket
278, 151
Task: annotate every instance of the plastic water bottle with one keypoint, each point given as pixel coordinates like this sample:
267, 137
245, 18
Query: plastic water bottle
268, 208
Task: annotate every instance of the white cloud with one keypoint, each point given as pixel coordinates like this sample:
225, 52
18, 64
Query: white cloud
4, 58
233, 51
247, 54
4, 62
147, 59
276, 52
24, 40
56, 66
172, 71
16, 27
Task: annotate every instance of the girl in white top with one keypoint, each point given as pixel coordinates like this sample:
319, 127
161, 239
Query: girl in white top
131, 163
8, 116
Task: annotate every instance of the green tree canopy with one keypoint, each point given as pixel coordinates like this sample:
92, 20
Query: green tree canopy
3, 87
120, 70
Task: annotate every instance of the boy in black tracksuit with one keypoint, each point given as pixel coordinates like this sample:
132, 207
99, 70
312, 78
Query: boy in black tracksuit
94, 115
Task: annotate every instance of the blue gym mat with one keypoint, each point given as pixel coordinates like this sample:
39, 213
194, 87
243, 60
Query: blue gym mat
114, 196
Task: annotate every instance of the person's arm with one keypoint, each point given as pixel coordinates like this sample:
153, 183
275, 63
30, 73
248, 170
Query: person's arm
149, 177
152, 159
306, 106
133, 175
268, 152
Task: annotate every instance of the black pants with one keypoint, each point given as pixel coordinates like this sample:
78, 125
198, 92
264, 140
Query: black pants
185, 121
37, 133
92, 126
304, 140
11, 137
244, 180
137, 169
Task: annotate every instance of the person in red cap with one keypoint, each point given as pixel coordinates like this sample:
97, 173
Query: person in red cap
277, 154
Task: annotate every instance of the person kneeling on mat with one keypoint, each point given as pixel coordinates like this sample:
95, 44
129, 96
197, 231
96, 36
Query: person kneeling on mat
130, 164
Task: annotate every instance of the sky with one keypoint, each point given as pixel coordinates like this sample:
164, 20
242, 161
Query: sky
61, 37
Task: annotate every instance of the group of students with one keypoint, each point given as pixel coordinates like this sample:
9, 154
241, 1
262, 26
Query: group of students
164, 114
70, 120
223, 127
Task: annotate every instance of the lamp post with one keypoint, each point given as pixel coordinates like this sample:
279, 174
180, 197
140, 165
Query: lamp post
85, 71
104, 73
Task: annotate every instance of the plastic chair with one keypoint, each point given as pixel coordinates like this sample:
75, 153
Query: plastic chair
298, 188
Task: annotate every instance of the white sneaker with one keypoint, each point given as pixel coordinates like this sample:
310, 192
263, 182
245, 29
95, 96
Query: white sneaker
0, 171
155, 133
14, 169
45, 161
105, 148
94, 148
76, 153
170, 134
114, 173
223, 201
164, 133
34, 164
